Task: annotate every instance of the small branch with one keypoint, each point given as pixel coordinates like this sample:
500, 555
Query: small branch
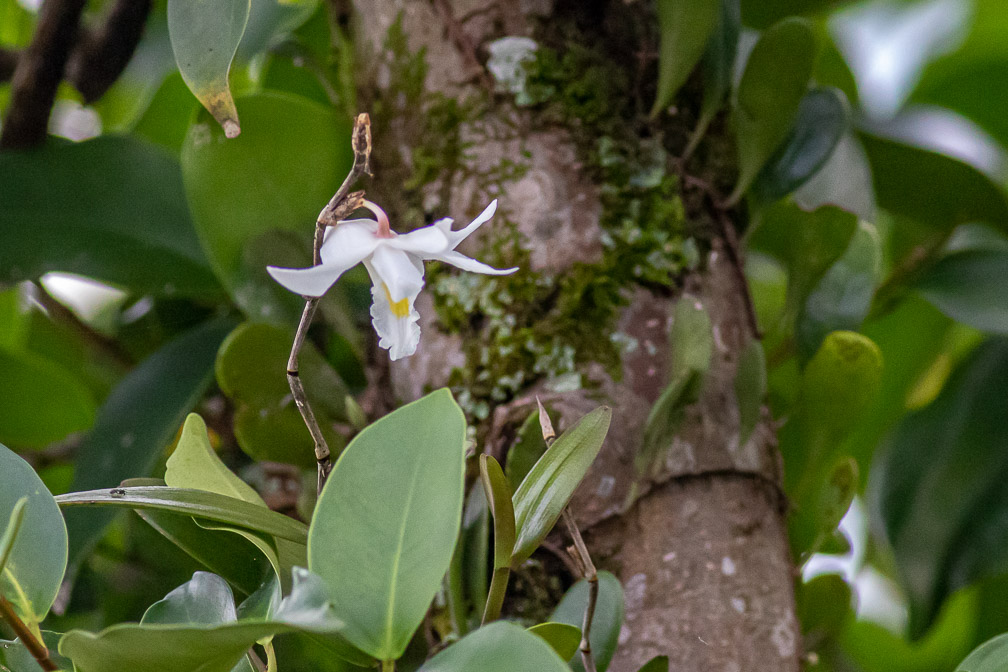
339, 207
39, 72
101, 55
37, 649
719, 210
590, 575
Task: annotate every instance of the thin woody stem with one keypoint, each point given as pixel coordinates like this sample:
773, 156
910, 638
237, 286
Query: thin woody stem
340, 206
581, 555
37, 649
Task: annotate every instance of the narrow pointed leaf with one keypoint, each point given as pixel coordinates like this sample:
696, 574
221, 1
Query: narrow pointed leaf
685, 27
194, 464
197, 503
498, 495
204, 37
545, 491
387, 521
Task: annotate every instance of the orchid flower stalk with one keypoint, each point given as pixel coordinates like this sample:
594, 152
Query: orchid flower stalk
394, 262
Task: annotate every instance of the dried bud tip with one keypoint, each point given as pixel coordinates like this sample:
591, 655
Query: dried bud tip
548, 433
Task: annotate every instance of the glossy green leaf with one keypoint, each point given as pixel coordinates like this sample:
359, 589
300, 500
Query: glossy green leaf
940, 485
823, 607
44, 401
844, 181
36, 554
656, 664
967, 286
252, 370
111, 208
816, 518
691, 344
821, 121
771, 90
991, 656
542, 496
278, 175
194, 464
750, 387
139, 419
387, 521
606, 624
717, 63
221, 552
931, 188
476, 546
204, 38
498, 496
196, 503
15, 657
498, 647
841, 299
684, 27
526, 451
563, 638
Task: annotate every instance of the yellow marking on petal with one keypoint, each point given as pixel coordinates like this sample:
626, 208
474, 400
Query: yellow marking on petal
399, 308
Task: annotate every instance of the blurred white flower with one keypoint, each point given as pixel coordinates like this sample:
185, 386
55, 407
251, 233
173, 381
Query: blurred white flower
395, 264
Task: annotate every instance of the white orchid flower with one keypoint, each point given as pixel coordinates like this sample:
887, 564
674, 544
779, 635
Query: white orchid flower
395, 264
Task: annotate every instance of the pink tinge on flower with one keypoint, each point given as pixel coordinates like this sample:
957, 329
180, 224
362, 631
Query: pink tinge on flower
395, 264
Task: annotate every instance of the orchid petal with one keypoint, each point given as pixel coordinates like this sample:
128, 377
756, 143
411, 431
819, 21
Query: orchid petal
395, 270
349, 243
459, 260
312, 281
463, 233
427, 240
395, 321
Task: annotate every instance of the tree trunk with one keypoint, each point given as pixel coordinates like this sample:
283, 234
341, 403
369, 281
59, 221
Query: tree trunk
700, 546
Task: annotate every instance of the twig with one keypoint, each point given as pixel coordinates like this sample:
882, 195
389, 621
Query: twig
37, 649
39, 72
583, 558
719, 211
340, 206
102, 54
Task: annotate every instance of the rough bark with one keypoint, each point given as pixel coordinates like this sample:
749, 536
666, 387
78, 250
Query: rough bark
702, 553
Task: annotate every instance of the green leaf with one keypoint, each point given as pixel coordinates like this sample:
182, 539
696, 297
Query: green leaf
685, 27
718, 61
235, 558
656, 664
498, 496
606, 624
816, 519
110, 208
940, 485
49, 403
138, 420
843, 296
35, 557
387, 521
991, 656
498, 647
821, 121
691, 343
526, 451
14, 656
769, 95
204, 38
966, 286
844, 181
823, 608
196, 503
762, 13
252, 370
931, 188
277, 175
563, 638
194, 464
545, 491
206, 599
